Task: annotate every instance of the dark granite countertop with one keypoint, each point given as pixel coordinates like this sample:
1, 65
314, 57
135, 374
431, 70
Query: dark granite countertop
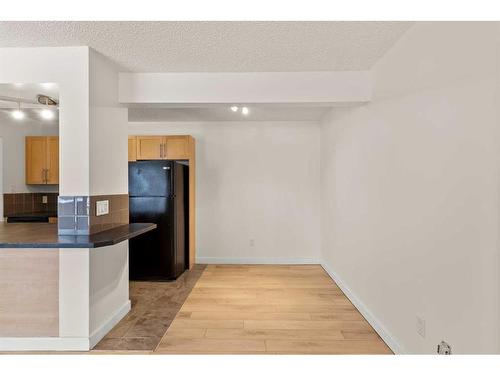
34, 214
28, 217
44, 235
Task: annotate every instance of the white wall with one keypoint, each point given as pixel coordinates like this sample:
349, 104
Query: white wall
410, 190
254, 180
109, 294
14, 133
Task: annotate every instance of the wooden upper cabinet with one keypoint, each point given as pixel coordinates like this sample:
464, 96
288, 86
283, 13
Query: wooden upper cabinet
172, 147
149, 147
177, 147
132, 148
36, 159
52, 173
42, 160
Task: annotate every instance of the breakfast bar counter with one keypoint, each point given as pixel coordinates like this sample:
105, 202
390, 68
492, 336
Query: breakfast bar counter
43, 235
60, 292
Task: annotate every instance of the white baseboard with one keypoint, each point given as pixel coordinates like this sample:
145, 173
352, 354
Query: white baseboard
101, 331
19, 344
367, 314
63, 343
216, 260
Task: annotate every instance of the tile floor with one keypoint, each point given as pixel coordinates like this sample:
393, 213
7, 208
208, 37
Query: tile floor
154, 306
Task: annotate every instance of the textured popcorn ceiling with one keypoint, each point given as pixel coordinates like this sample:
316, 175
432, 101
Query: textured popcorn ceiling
218, 46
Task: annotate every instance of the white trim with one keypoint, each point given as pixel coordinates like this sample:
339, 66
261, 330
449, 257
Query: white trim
217, 260
44, 344
367, 314
102, 330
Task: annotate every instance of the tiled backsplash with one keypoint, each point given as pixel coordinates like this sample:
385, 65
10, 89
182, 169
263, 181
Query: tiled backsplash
24, 203
77, 215
118, 212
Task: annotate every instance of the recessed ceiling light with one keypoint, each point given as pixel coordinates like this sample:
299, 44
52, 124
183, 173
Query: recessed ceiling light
245, 111
17, 114
47, 114
234, 108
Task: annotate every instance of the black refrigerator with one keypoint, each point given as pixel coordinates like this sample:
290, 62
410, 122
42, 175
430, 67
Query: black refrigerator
158, 193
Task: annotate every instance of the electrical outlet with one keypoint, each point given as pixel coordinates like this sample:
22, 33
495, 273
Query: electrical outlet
444, 348
251, 242
420, 325
44, 199
102, 208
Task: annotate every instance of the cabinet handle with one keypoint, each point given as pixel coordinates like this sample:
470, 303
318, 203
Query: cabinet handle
43, 175
164, 150
161, 150
46, 176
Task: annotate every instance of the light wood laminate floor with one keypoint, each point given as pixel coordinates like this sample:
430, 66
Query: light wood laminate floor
258, 309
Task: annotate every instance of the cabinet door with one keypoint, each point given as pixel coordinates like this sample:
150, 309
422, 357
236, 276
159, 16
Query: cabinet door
36, 160
149, 148
177, 147
132, 149
52, 174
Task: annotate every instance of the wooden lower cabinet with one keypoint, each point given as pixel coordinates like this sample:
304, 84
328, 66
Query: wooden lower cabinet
42, 160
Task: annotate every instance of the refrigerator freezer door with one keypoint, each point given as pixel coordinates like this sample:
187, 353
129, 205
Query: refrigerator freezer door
150, 178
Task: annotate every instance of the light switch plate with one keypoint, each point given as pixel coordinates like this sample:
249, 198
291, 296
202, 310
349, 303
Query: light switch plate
102, 208
44, 199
